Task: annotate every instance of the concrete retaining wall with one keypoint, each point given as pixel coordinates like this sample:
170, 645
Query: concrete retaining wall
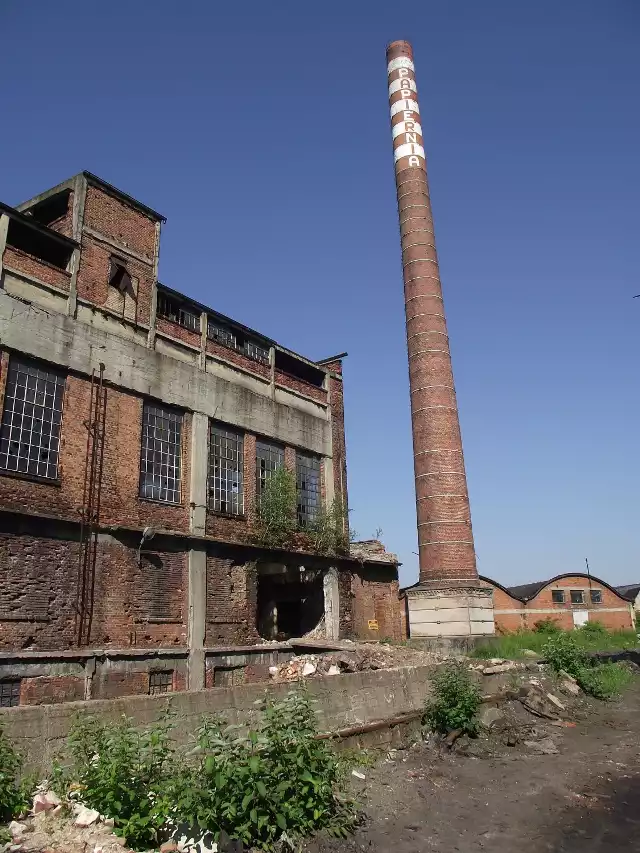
39, 732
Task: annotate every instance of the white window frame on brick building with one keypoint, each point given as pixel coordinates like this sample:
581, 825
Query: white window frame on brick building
31, 419
161, 453
308, 472
557, 596
596, 596
577, 596
226, 470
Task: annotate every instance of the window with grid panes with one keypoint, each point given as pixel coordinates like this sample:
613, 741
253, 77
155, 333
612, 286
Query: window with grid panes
9, 693
31, 419
161, 681
596, 596
269, 457
226, 462
160, 460
308, 486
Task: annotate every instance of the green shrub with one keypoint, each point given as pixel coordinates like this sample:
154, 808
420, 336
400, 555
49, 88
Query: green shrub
563, 652
277, 507
276, 779
547, 626
593, 631
329, 531
14, 796
455, 701
122, 772
604, 681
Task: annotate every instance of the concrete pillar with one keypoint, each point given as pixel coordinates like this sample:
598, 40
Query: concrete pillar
199, 471
445, 539
153, 308
197, 618
79, 199
204, 321
4, 227
331, 604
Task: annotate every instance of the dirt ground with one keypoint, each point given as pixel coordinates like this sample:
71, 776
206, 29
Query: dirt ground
585, 799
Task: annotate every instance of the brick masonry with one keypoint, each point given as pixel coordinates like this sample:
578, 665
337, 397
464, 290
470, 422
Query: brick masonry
139, 605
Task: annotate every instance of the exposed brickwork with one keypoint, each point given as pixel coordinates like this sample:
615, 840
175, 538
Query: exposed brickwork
119, 221
336, 397
235, 357
16, 259
511, 614
445, 539
117, 683
305, 388
375, 597
64, 224
93, 276
231, 619
47, 690
175, 330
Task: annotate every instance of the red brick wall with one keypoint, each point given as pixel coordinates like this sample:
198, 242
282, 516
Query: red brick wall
339, 446
375, 597
18, 260
231, 602
175, 330
228, 354
93, 276
47, 690
300, 386
542, 607
116, 219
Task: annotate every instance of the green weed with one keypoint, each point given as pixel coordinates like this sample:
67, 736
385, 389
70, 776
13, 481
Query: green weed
14, 794
455, 701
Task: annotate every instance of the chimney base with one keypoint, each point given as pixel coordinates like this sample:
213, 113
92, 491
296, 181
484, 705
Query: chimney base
452, 610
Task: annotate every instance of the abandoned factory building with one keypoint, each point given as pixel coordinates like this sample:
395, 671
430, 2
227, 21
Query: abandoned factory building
139, 429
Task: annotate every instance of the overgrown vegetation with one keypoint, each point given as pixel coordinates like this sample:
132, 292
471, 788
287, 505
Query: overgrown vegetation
593, 637
253, 785
563, 652
14, 794
277, 523
455, 701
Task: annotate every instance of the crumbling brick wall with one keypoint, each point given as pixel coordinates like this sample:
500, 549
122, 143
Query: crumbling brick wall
16, 259
375, 597
231, 602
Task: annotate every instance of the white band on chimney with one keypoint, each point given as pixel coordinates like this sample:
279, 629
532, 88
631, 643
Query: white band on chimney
403, 83
400, 62
407, 149
401, 127
411, 106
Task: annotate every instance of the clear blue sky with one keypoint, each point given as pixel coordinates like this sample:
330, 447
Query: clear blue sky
261, 131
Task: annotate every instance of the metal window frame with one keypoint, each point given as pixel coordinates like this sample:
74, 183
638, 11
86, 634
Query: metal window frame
160, 681
161, 454
576, 591
226, 337
10, 692
308, 487
32, 419
269, 457
171, 309
226, 465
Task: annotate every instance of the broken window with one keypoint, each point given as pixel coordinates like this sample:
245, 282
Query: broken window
596, 596
160, 681
51, 249
160, 453
269, 457
31, 419
119, 276
557, 596
577, 596
10, 692
308, 485
236, 340
299, 369
172, 309
226, 462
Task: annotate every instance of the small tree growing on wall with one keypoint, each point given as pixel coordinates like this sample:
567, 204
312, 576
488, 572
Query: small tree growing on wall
329, 530
277, 509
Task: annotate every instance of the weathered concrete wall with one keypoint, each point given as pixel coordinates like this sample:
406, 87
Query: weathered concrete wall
342, 701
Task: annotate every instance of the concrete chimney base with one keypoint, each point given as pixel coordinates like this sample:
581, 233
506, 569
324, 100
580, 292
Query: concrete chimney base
463, 610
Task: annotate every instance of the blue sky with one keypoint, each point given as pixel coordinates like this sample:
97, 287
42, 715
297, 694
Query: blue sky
261, 131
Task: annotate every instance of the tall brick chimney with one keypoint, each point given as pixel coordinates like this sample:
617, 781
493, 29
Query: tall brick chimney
448, 601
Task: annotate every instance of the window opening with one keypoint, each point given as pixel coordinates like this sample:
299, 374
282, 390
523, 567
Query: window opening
10, 692
226, 458
235, 340
160, 453
119, 276
596, 596
172, 310
308, 485
299, 369
160, 681
577, 596
269, 457
31, 419
557, 596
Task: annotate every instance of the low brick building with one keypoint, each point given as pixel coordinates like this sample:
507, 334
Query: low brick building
570, 600
138, 429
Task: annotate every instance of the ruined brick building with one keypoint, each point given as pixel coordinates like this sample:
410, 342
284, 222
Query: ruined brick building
138, 427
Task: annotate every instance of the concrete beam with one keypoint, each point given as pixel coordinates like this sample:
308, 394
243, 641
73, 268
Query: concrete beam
199, 464
197, 618
4, 227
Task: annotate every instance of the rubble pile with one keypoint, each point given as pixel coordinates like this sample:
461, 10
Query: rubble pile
355, 657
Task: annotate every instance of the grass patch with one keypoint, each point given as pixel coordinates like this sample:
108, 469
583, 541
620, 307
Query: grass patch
592, 638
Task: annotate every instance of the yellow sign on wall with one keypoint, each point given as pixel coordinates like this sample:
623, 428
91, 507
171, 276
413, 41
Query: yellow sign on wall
373, 624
